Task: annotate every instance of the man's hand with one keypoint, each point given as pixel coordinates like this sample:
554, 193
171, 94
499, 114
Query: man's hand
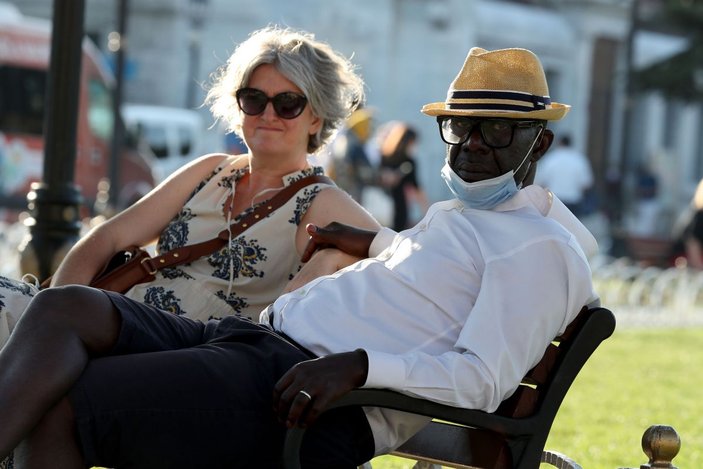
310, 386
352, 240
323, 262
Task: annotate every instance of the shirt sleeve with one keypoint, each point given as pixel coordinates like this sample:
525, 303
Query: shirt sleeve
525, 300
383, 239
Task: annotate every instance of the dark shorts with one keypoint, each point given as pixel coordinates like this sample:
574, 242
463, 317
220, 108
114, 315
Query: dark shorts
177, 393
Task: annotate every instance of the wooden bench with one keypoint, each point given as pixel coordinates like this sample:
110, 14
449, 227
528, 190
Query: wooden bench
515, 434
650, 251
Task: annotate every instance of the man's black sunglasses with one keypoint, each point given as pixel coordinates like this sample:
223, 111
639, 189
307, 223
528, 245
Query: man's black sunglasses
496, 133
287, 105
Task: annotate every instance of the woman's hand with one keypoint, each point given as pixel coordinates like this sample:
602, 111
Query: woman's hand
349, 239
323, 262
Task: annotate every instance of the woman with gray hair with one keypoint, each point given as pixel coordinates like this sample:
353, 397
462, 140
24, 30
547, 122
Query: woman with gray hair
285, 94
325, 78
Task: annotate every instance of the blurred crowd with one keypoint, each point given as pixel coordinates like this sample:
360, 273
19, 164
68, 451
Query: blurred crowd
376, 163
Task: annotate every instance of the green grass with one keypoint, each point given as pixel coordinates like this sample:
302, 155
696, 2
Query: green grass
637, 378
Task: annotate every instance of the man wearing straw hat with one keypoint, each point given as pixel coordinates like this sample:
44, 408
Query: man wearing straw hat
456, 310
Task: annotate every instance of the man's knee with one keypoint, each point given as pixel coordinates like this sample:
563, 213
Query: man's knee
77, 310
68, 303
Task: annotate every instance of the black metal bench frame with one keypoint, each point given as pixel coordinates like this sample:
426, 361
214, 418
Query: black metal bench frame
514, 435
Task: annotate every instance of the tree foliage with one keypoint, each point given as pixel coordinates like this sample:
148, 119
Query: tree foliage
679, 76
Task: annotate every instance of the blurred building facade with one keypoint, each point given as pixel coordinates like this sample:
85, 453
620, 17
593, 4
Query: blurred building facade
410, 50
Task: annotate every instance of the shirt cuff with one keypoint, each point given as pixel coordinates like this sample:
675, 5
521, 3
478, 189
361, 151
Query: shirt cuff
385, 370
383, 239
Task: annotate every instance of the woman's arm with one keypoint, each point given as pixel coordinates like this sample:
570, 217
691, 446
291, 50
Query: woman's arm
333, 247
323, 262
334, 205
139, 224
332, 208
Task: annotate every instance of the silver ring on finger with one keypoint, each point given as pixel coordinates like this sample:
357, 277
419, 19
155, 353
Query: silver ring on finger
306, 394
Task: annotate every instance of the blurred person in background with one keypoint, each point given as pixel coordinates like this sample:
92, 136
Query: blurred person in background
398, 173
687, 249
567, 173
353, 169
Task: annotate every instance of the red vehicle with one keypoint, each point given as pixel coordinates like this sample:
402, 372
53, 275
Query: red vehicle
25, 45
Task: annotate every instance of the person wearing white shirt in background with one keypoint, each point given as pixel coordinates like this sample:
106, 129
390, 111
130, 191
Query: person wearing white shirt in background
567, 173
456, 309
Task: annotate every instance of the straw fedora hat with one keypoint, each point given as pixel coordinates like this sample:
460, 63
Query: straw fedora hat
506, 83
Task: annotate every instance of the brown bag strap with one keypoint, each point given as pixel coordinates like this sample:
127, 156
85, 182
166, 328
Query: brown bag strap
195, 251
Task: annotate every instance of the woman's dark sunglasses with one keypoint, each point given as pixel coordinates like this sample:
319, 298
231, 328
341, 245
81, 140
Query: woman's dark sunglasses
287, 105
496, 133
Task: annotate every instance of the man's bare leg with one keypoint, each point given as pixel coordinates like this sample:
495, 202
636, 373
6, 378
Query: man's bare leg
46, 354
52, 443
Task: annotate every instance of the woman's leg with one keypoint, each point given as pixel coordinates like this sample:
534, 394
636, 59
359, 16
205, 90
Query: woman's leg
47, 352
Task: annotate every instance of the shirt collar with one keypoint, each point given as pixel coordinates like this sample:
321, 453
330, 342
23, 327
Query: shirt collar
548, 205
532, 196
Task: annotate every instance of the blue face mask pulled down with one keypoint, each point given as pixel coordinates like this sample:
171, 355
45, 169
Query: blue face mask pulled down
486, 194
482, 195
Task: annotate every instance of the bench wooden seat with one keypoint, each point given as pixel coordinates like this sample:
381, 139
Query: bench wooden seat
650, 251
515, 434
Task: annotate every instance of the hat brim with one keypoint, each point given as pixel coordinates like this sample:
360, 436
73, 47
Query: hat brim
555, 112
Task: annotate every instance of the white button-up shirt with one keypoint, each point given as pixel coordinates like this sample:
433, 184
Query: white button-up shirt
456, 309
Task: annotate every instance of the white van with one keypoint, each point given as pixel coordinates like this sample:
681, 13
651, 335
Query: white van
174, 135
